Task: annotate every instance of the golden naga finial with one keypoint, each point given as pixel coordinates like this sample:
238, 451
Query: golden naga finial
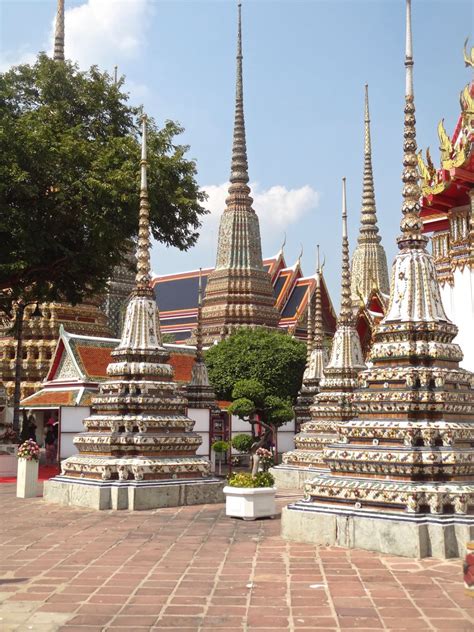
300, 256
431, 167
466, 100
446, 146
361, 298
468, 58
422, 168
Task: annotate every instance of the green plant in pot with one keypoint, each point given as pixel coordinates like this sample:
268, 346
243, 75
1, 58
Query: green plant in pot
242, 443
220, 448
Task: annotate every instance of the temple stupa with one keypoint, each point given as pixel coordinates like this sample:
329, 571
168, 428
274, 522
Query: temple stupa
401, 477
334, 401
138, 450
239, 291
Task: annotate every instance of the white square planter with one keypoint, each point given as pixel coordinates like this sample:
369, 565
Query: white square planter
250, 503
27, 479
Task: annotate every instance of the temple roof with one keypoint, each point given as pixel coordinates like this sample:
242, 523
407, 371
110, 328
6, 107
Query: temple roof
177, 298
448, 186
79, 364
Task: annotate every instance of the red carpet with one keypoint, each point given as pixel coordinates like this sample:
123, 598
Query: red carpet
45, 472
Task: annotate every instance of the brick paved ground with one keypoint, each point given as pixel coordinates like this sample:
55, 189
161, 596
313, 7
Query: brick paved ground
194, 570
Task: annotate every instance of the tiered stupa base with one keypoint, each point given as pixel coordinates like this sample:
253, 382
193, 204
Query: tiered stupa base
132, 494
440, 536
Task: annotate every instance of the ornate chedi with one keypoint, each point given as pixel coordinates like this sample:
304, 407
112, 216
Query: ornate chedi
41, 334
369, 280
401, 475
333, 403
199, 392
139, 448
239, 290
316, 357
448, 213
369, 261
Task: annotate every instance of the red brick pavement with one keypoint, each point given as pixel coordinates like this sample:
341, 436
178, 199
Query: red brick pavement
194, 570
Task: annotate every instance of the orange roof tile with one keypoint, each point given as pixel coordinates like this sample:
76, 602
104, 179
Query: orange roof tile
94, 359
52, 398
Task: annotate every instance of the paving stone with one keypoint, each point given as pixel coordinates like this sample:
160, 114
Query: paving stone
191, 569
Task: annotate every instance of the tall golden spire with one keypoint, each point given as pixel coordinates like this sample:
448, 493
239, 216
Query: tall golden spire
239, 291
141, 329
318, 331
369, 261
345, 313
346, 352
309, 328
143, 276
411, 224
239, 165
59, 33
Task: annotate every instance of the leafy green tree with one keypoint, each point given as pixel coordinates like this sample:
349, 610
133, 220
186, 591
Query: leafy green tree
274, 359
69, 182
253, 404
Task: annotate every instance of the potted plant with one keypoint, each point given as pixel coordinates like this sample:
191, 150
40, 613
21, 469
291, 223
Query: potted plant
242, 443
220, 448
27, 477
250, 496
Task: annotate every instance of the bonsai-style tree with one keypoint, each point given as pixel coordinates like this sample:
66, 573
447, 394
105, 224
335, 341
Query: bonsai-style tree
275, 359
252, 403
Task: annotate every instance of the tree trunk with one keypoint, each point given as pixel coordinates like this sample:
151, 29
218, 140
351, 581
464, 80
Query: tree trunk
18, 366
255, 460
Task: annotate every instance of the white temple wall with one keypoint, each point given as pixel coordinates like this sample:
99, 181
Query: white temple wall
458, 301
201, 417
71, 425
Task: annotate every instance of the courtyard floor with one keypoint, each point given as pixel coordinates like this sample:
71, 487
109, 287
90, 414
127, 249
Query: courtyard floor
192, 569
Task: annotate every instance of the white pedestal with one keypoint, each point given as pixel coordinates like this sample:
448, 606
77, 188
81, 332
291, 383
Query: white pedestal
27, 479
250, 503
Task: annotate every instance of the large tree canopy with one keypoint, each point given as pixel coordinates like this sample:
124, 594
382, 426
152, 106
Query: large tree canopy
274, 359
69, 181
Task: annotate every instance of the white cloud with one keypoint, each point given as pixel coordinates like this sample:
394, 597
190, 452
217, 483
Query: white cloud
276, 207
103, 32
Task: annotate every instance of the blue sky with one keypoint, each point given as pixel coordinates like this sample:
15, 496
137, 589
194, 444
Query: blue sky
305, 66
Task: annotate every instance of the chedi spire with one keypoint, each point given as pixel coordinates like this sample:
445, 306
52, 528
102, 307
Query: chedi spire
317, 355
239, 291
333, 403
369, 261
59, 33
199, 392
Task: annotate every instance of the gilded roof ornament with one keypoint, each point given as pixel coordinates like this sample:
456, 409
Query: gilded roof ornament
468, 57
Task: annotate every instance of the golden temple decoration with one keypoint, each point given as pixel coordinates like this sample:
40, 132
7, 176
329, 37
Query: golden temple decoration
468, 58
